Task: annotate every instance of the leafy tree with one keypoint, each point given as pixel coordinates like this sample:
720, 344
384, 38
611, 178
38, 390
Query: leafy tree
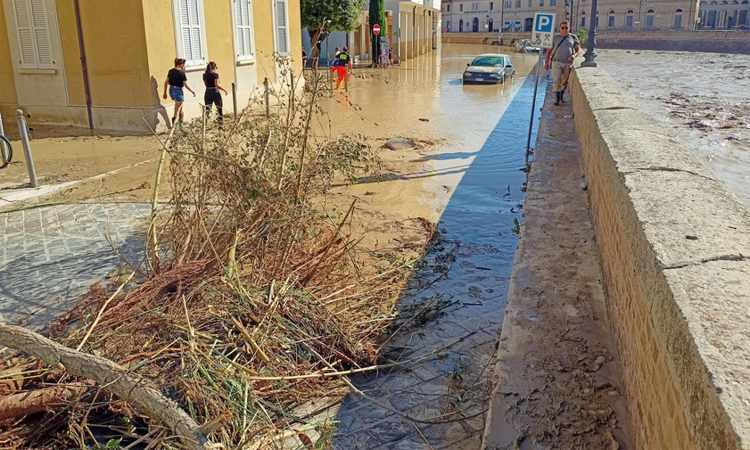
330, 15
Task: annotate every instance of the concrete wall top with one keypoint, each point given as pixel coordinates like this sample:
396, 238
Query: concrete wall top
697, 237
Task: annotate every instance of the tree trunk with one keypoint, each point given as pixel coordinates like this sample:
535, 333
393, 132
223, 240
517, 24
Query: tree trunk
110, 376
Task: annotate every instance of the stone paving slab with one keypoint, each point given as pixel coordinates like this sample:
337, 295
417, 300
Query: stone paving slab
52, 255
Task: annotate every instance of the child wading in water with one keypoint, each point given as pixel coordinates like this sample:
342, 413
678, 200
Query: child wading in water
213, 96
176, 81
341, 66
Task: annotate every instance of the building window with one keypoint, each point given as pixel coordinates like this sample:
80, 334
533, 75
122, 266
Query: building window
518, 3
492, 6
461, 7
448, 7
629, 19
650, 19
611, 20
541, 3
461, 26
191, 38
529, 4
583, 19
678, 19
281, 27
553, 2
32, 27
243, 30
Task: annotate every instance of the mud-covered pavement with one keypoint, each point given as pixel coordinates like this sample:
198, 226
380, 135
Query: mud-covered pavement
701, 98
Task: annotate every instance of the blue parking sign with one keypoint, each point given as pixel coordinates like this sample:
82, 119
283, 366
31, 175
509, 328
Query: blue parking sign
543, 31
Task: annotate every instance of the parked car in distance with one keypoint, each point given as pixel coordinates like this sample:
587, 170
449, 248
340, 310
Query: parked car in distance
525, 46
489, 68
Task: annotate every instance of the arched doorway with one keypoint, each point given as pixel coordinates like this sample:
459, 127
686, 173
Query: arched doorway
490, 26
650, 19
475, 25
629, 19
461, 26
678, 19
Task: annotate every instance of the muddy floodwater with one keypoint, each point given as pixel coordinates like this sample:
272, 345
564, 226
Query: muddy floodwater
703, 99
466, 173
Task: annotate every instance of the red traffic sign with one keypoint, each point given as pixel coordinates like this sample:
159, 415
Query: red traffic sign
376, 29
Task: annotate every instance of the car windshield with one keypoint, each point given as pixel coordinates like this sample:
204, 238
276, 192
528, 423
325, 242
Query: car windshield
488, 61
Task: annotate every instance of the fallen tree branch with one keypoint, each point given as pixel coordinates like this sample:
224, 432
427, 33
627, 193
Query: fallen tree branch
110, 376
23, 403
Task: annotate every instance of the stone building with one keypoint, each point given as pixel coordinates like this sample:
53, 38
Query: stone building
621, 15
724, 15
637, 15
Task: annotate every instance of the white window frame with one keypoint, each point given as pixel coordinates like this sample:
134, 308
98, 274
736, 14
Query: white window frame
275, 29
36, 64
179, 42
248, 58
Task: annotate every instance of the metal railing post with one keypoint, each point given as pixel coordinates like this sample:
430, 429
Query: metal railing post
267, 98
24, 132
234, 99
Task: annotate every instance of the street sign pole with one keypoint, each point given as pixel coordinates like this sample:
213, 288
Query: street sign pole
542, 36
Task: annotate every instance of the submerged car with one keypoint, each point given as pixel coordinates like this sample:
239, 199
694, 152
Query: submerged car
489, 68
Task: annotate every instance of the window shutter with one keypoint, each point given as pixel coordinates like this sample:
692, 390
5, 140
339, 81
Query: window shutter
41, 32
25, 30
190, 29
243, 31
281, 27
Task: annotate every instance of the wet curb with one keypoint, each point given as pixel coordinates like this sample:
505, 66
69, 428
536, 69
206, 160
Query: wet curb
674, 246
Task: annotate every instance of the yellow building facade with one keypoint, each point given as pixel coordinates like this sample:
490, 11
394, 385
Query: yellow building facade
128, 47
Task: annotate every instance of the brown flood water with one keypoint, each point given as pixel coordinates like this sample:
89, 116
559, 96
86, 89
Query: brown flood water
702, 99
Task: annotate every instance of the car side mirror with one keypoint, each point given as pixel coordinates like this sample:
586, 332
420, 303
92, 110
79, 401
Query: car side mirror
510, 65
468, 64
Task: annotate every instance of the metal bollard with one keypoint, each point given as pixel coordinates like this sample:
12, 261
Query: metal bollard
24, 132
267, 94
234, 99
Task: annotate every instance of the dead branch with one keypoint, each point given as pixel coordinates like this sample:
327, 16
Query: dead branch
110, 376
24, 403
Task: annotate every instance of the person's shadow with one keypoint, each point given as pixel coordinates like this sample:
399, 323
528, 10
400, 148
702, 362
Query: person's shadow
152, 117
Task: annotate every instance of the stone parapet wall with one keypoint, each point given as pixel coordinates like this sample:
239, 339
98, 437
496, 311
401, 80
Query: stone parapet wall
692, 41
674, 249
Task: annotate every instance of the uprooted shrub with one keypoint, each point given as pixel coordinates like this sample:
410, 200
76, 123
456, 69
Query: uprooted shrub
251, 301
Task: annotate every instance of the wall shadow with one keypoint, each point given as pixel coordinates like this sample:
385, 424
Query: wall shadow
452, 309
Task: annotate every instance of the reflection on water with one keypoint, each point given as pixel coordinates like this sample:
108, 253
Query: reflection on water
460, 288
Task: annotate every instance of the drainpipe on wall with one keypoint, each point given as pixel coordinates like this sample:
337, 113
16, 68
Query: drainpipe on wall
84, 65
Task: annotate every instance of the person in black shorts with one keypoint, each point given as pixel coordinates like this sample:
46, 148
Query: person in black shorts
176, 81
213, 91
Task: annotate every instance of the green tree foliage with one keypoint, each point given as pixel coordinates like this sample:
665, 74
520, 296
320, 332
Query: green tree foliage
331, 15
377, 15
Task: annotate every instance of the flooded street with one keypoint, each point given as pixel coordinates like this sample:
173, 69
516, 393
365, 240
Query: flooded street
469, 179
700, 98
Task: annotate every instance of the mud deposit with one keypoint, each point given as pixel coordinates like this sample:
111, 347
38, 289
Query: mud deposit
701, 98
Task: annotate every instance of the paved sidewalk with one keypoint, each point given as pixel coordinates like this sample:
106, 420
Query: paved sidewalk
51, 255
558, 380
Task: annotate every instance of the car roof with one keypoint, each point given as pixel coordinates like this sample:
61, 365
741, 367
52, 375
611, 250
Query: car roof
492, 54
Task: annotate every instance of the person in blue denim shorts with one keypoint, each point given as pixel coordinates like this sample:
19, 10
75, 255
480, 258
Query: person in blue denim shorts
177, 81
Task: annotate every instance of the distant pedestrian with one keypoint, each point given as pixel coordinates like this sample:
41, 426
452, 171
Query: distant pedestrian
560, 57
213, 91
342, 66
177, 81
